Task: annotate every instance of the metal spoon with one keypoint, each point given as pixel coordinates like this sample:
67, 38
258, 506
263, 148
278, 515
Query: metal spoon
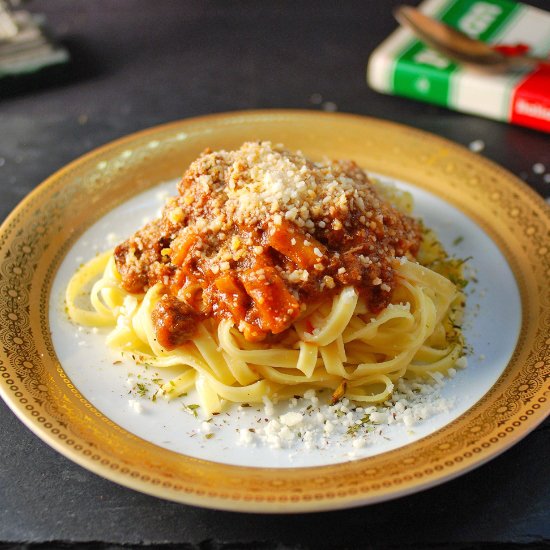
460, 47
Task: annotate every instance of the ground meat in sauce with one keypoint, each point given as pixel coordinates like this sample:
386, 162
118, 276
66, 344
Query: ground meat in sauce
236, 243
175, 322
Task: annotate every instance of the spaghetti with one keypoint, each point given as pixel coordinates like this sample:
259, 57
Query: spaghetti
269, 275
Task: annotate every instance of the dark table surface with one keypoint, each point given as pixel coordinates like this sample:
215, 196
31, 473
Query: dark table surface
138, 63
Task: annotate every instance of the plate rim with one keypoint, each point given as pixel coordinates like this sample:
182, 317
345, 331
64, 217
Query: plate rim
244, 505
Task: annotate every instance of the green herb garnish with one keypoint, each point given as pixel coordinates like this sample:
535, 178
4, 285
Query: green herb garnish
142, 389
458, 240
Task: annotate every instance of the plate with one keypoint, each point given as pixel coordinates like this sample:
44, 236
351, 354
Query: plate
80, 412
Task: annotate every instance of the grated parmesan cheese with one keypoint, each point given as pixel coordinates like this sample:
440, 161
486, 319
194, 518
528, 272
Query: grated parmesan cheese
135, 405
311, 423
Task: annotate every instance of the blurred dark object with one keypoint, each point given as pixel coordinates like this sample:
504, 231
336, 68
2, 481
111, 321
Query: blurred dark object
25, 45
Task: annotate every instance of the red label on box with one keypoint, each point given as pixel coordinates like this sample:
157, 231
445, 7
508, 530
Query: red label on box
531, 101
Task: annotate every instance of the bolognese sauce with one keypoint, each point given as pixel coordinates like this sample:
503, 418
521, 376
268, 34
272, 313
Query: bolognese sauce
258, 234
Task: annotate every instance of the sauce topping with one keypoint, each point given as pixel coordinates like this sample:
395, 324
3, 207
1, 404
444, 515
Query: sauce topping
259, 233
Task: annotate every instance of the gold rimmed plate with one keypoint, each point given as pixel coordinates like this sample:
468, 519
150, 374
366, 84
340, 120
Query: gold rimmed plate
498, 399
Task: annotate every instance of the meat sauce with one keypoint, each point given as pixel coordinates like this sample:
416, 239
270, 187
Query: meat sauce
223, 250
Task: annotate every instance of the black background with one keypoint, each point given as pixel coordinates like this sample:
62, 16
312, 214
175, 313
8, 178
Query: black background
137, 63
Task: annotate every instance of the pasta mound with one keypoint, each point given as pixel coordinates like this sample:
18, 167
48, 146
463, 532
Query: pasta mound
270, 274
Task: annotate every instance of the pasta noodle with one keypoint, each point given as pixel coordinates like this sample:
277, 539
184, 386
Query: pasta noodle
340, 342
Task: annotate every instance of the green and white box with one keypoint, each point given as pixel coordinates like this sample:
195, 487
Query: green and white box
404, 66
